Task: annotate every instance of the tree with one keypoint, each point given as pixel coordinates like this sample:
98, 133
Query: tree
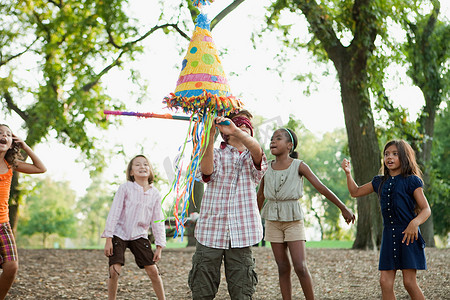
330, 24
427, 51
355, 37
49, 210
68, 47
439, 191
424, 53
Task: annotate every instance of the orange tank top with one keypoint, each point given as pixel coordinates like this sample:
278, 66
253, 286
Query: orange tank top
5, 186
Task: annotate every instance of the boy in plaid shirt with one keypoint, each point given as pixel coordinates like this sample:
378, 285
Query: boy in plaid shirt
229, 222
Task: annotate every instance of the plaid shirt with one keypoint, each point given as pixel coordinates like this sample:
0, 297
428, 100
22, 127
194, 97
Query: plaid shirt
229, 214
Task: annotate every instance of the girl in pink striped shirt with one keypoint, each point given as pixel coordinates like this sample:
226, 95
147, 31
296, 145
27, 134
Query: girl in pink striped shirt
136, 207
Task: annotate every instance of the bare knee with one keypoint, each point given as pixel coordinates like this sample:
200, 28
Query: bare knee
152, 272
386, 283
114, 272
284, 267
301, 269
410, 282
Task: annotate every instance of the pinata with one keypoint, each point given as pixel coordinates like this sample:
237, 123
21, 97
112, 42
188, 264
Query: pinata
202, 91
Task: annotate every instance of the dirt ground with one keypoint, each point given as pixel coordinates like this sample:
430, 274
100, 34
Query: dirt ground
337, 274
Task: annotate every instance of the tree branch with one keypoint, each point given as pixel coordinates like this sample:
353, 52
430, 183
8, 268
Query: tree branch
12, 106
225, 12
365, 31
91, 84
322, 28
3, 62
60, 4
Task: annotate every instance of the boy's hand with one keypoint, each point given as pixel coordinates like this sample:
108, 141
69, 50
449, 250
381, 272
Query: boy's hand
227, 127
108, 247
346, 166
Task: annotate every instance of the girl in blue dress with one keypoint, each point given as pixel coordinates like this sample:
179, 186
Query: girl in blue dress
403, 207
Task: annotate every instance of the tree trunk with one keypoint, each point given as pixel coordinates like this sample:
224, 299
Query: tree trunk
428, 119
364, 152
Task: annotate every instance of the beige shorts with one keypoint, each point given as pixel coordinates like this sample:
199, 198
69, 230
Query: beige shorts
280, 232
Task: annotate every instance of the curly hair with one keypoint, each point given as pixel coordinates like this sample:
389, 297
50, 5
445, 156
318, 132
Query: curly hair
13, 154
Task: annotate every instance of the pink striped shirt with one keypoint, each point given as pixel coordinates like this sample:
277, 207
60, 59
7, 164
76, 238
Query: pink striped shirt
133, 211
229, 212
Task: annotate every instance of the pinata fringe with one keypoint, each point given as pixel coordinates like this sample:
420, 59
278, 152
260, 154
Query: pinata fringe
208, 101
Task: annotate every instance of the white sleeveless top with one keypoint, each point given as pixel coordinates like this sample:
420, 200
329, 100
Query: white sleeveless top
283, 189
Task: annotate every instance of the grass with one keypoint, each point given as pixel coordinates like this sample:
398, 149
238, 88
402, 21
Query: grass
330, 244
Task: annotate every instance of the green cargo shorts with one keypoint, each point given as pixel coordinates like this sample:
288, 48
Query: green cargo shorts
204, 277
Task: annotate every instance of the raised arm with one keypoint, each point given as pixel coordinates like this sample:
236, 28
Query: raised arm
36, 167
353, 188
207, 162
306, 171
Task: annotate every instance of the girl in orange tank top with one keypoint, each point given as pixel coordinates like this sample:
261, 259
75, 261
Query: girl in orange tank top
10, 160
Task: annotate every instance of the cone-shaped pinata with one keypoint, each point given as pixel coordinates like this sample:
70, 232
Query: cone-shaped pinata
203, 92
202, 83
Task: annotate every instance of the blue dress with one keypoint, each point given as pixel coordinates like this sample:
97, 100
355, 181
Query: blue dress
397, 208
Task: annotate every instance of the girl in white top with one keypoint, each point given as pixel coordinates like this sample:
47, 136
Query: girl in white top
136, 207
282, 186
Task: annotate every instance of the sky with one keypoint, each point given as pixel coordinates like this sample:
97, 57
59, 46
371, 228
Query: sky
263, 92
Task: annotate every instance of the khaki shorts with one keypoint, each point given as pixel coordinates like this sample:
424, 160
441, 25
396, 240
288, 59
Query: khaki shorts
280, 232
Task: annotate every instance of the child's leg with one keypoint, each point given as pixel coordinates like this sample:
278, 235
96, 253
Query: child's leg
284, 269
204, 277
411, 286
7, 278
387, 284
158, 287
298, 255
114, 273
240, 273
8, 259
116, 261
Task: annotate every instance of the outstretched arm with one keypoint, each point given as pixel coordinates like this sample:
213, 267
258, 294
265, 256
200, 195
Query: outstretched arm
353, 188
36, 167
304, 170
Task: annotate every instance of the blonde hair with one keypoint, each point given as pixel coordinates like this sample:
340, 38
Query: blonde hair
130, 166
